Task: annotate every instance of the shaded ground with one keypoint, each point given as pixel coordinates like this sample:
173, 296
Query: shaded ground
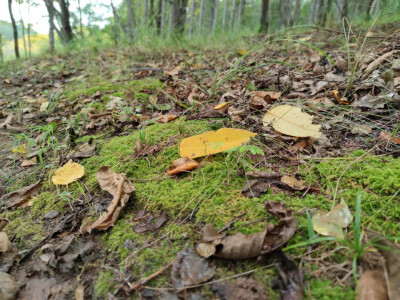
114, 99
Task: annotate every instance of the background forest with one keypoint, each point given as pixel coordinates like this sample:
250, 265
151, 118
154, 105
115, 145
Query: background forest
158, 23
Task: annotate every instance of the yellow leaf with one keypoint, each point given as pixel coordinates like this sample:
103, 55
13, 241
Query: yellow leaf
214, 142
20, 149
290, 120
68, 173
222, 106
241, 52
331, 223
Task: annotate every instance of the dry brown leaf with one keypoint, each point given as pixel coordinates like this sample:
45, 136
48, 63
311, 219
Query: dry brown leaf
372, 286
290, 120
213, 142
5, 244
174, 71
29, 162
7, 121
294, 183
68, 173
182, 164
386, 136
20, 196
80, 292
120, 188
167, 118
361, 129
3, 222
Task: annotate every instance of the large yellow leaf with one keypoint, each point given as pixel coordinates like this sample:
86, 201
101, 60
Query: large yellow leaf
290, 120
68, 173
213, 142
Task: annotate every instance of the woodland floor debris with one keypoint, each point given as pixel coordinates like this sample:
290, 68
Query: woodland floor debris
135, 126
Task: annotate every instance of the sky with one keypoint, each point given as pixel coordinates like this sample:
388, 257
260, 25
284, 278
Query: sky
38, 14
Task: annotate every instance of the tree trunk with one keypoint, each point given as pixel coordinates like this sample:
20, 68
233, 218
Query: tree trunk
201, 15
264, 16
191, 22
65, 24
145, 13
178, 16
80, 19
129, 19
314, 10
1, 49
23, 37
49, 6
296, 13
15, 30
139, 8
29, 41
225, 14
240, 10
163, 14
212, 12
158, 17
233, 9
151, 14
215, 19
345, 9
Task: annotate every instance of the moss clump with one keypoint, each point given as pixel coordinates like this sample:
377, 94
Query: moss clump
323, 290
46, 202
104, 284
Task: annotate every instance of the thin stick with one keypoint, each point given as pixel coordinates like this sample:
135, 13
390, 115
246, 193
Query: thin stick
146, 280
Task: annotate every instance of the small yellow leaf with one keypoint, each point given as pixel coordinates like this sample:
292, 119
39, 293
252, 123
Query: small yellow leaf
241, 52
20, 149
68, 173
332, 223
222, 106
212, 142
290, 120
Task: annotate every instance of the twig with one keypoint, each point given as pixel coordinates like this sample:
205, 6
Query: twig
140, 284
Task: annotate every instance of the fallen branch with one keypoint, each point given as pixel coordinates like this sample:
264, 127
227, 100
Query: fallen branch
140, 284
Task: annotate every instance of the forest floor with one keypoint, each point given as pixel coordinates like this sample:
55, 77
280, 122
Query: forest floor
295, 215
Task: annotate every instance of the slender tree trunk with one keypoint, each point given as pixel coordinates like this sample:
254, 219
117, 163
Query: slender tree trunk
151, 12
191, 22
23, 37
145, 13
80, 19
296, 13
345, 9
158, 17
1, 49
129, 19
50, 10
139, 8
240, 10
163, 14
233, 9
178, 16
314, 8
15, 30
65, 24
214, 24
264, 16
29, 41
201, 15
225, 13
212, 13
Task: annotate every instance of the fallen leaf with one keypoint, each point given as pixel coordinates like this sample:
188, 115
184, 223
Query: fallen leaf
148, 224
37, 288
294, 183
290, 120
222, 106
5, 244
241, 52
167, 118
20, 196
386, 136
29, 162
44, 106
361, 129
120, 188
255, 187
114, 102
9, 287
241, 246
19, 149
372, 286
182, 164
80, 292
3, 222
7, 121
213, 142
173, 72
332, 223
84, 151
68, 173
189, 268
242, 289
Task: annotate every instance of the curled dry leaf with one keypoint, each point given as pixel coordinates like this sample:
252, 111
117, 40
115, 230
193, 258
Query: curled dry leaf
5, 244
290, 283
167, 118
182, 164
332, 223
241, 246
294, 183
290, 120
20, 196
372, 286
85, 151
212, 142
147, 223
68, 173
222, 106
189, 268
386, 136
120, 188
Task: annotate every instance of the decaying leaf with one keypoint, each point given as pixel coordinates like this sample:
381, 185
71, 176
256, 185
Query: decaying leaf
213, 142
189, 268
290, 120
391, 253
361, 129
147, 224
29, 162
167, 118
85, 151
37, 288
255, 187
332, 223
80, 292
3, 222
20, 196
242, 289
68, 173
5, 244
386, 136
182, 164
9, 287
294, 183
241, 246
372, 286
120, 188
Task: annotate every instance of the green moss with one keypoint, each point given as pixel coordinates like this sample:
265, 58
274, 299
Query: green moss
46, 202
323, 290
104, 284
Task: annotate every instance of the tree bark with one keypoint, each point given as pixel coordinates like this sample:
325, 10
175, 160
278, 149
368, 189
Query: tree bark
163, 14
15, 30
80, 19
233, 9
49, 6
296, 14
23, 36
191, 22
215, 19
201, 15
139, 8
240, 10
178, 16
151, 13
225, 14
1, 49
65, 24
129, 19
158, 17
264, 16
145, 13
